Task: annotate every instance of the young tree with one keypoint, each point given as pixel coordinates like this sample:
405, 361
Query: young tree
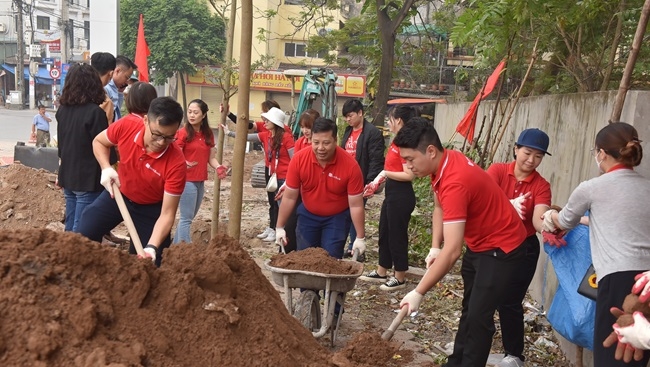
180, 34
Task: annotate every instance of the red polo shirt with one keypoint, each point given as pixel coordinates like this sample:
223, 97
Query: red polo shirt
325, 190
467, 194
259, 126
145, 177
271, 155
504, 175
197, 150
300, 144
394, 161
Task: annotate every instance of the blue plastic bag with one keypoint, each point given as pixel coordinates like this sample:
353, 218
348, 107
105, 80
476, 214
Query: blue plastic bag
571, 314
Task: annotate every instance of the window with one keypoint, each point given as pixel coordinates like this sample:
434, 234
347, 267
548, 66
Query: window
87, 32
42, 22
297, 50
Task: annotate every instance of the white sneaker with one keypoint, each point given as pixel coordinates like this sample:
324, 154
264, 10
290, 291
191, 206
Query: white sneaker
510, 361
270, 237
265, 233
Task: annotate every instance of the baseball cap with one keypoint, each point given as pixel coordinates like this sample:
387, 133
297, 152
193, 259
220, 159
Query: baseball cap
275, 115
534, 138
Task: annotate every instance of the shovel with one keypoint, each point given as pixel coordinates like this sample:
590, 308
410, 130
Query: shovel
388, 334
127, 220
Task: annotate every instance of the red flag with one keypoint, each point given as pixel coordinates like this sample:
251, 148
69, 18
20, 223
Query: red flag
141, 53
467, 126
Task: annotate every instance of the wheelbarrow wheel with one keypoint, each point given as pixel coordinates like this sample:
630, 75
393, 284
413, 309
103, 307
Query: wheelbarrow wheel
307, 310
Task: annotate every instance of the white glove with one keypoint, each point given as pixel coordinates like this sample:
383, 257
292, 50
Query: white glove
642, 285
359, 244
280, 236
518, 203
109, 175
637, 334
381, 177
150, 251
433, 253
547, 222
412, 299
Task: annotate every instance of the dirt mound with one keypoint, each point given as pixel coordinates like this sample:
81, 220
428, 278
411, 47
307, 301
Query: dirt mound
67, 301
314, 259
28, 199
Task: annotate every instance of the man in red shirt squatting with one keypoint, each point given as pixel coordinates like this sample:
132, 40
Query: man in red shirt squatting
469, 206
151, 178
331, 185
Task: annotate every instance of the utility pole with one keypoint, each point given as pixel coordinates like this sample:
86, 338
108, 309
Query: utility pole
64, 8
20, 42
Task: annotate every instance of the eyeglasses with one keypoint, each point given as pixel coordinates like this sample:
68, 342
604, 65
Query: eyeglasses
594, 151
159, 137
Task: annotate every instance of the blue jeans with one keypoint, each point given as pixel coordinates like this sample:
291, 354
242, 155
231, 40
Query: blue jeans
328, 232
189, 205
75, 203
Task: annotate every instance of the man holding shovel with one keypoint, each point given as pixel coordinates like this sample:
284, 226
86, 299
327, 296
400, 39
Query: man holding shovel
151, 179
469, 207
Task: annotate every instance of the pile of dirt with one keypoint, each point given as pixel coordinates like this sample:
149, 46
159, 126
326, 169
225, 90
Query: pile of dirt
68, 301
314, 259
29, 198
367, 348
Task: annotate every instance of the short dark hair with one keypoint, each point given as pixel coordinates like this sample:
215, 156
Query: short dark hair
322, 125
82, 85
166, 111
307, 118
103, 62
403, 112
125, 61
268, 104
418, 134
352, 105
139, 97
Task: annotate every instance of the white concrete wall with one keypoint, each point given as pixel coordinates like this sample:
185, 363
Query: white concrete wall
104, 26
571, 121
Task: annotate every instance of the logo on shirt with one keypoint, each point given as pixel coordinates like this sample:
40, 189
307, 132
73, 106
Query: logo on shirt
331, 175
148, 166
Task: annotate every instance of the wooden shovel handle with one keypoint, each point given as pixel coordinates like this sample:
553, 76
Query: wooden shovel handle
135, 239
388, 334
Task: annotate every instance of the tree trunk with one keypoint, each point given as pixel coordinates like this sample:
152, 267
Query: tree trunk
631, 61
237, 178
614, 47
225, 102
181, 79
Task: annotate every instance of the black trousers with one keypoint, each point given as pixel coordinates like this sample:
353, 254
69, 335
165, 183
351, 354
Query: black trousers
511, 311
103, 215
273, 205
612, 290
486, 277
394, 224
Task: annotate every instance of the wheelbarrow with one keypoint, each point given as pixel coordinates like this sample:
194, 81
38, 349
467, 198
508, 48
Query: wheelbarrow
307, 308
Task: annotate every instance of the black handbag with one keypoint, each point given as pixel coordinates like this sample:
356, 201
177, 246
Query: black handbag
588, 286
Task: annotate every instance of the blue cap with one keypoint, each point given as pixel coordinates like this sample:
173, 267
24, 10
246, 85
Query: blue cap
534, 138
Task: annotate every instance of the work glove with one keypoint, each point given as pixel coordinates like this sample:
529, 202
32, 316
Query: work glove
372, 187
412, 300
433, 253
109, 175
280, 193
150, 251
637, 334
623, 351
360, 245
554, 239
642, 285
547, 222
280, 236
518, 204
222, 171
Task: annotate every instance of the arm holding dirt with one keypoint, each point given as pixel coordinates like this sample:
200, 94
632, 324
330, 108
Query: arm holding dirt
165, 221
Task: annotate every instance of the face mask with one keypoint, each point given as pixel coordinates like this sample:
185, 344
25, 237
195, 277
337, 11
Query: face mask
598, 162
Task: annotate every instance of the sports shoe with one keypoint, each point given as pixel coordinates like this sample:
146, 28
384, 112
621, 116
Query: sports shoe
393, 284
264, 234
373, 276
270, 237
510, 361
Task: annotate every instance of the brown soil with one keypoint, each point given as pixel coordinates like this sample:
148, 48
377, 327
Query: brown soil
625, 320
631, 304
316, 260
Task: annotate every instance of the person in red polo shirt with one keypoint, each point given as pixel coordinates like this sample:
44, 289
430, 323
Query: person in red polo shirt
330, 184
530, 195
151, 179
469, 207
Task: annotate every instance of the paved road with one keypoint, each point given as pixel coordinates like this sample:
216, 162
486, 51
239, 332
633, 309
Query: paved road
15, 125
